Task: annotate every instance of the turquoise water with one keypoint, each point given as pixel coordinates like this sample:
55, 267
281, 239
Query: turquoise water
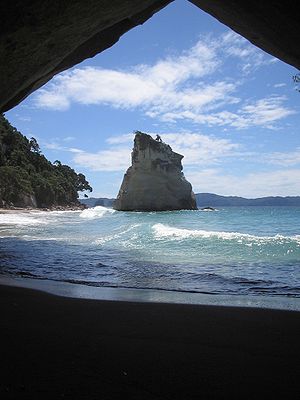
247, 250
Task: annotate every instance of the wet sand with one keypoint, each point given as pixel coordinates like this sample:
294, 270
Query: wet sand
54, 347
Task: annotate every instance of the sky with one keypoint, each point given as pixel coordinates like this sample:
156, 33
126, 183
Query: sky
231, 109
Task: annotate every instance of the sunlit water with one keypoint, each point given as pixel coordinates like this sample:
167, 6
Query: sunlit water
247, 250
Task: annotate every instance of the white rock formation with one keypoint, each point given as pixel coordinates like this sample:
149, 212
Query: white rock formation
155, 181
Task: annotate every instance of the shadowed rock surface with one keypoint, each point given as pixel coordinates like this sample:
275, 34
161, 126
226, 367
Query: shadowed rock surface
39, 38
155, 181
271, 25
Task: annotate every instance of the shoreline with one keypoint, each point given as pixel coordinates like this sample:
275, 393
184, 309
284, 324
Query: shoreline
17, 210
106, 293
60, 347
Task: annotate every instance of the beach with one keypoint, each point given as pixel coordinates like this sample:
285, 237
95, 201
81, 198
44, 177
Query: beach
57, 347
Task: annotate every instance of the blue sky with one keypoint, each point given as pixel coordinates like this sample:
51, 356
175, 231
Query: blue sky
228, 107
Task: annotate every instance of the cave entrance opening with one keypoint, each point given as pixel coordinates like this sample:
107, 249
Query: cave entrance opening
197, 84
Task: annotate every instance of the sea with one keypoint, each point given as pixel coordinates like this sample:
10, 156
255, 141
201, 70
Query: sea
233, 251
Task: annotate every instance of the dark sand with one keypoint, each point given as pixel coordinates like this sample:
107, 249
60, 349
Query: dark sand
55, 348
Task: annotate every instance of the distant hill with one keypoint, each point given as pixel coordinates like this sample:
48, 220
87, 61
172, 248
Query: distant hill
100, 201
214, 200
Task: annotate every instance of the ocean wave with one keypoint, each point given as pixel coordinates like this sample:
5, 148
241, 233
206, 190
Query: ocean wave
162, 231
32, 217
96, 212
49, 213
108, 238
20, 219
39, 238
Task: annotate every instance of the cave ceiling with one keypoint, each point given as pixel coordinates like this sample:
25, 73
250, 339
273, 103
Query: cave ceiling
39, 38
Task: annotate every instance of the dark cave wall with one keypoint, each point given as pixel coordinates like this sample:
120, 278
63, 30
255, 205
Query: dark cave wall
272, 25
40, 38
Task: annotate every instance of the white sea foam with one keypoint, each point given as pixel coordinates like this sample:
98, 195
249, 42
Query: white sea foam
40, 238
34, 217
56, 212
20, 219
162, 231
108, 238
96, 212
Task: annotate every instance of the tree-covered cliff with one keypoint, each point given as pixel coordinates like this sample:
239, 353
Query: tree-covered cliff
28, 178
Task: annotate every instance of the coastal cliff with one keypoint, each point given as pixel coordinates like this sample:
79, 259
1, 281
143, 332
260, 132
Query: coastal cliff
154, 181
28, 179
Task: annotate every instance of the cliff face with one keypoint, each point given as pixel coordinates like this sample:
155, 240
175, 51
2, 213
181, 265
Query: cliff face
155, 181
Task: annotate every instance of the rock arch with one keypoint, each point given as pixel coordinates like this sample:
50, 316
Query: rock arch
39, 38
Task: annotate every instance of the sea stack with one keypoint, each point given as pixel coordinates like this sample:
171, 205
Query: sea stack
154, 181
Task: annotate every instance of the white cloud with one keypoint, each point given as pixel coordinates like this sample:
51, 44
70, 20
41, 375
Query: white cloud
250, 57
73, 150
285, 159
58, 143
58, 147
190, 86
127, 138
259, 184
117, 159
24, 118
53, 146
263, 112
279, 85
198, 149
266, 110
51, 99
68, 138
143, 85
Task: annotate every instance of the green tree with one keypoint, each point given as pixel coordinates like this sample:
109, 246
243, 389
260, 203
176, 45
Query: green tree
25, 171
34, 146
296, 79
14, 183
